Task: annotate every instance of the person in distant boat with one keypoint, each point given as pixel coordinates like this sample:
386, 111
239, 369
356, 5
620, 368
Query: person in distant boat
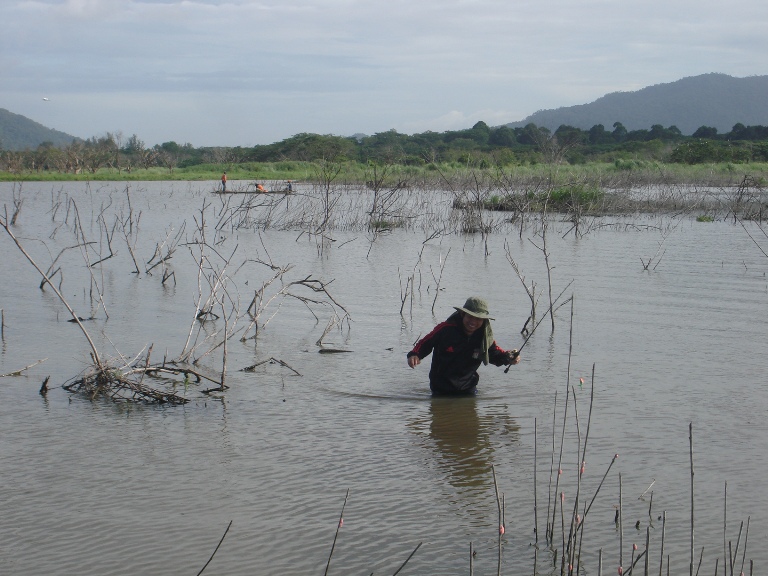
458, 347
224, 182
260, 188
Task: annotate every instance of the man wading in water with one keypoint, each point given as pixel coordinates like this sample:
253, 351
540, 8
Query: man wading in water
458, 346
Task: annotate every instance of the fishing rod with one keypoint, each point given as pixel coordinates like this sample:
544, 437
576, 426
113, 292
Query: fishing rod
516, 353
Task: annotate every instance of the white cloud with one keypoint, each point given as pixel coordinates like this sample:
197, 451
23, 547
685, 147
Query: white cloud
456, 120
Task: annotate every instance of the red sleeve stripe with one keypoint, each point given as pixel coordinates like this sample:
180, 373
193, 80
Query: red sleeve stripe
429, 337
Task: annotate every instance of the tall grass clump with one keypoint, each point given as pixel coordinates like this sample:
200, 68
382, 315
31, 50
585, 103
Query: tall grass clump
568, 198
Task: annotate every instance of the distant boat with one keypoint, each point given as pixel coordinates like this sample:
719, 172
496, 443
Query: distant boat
255, 190
283, 191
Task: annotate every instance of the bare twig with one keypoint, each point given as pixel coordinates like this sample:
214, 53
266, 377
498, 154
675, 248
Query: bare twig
646, 490
253, 367
6, 227
600, 486
338, 527
535, 486
439, 278
217, 548
18, 372
690, 439
407, 559
17, 203
531, 291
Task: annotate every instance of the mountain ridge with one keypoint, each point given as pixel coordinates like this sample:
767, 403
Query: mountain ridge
18, 132
716, 100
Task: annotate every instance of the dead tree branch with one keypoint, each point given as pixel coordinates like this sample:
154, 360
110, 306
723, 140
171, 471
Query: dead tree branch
18, 372
6, 226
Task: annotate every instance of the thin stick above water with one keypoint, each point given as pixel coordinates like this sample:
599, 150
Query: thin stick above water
550, 528
217, 548
725, 514
621, 527
338, 527
690, 439
535, 491
407, 559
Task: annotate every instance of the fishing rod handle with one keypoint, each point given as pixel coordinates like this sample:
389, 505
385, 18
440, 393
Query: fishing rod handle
515, 354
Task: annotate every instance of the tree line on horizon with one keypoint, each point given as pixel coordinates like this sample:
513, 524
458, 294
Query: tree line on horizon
480, 145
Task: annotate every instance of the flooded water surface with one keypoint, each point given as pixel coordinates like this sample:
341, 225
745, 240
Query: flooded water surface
96, 487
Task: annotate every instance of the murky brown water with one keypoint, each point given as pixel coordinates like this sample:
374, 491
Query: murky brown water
95, 488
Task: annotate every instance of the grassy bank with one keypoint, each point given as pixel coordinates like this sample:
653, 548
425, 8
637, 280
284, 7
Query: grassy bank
202, 172
619, 174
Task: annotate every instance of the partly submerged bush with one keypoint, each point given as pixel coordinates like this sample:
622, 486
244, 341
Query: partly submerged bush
386, 224
567, 198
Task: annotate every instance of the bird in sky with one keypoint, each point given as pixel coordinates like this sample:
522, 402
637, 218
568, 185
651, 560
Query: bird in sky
46, 99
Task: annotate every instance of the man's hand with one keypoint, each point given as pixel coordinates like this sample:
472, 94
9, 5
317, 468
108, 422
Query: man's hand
414, 361
513, 357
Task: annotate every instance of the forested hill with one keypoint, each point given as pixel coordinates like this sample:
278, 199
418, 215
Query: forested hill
716, 100
18, 132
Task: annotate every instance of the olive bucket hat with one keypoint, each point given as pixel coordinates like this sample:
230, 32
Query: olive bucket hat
476, 307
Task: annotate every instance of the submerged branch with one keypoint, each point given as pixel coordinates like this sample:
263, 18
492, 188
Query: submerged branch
18, 372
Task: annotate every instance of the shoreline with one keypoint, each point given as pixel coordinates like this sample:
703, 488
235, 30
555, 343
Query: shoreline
606, 175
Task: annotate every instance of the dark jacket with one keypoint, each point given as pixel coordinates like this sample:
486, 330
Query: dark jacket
455, 357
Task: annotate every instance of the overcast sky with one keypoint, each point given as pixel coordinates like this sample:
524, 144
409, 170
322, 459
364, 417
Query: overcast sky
245, 72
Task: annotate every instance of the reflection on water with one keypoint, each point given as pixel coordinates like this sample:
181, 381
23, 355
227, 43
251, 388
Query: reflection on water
463, 442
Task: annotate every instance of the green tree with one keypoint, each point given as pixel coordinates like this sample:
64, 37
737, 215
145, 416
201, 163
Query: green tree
696, 152
641, 135
570, 136
658, 132
619, 132
502, 136
705, 132
532, 135
481, 133
737, 132
309, 147
599, 135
